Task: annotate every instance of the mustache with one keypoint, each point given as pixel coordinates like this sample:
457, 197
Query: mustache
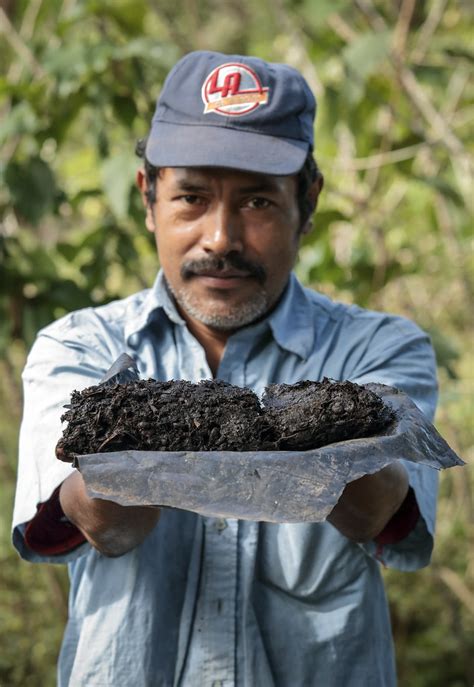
217, 263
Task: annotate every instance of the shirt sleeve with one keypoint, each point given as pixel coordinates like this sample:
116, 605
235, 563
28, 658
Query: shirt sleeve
400, 354
50, 532
66, 355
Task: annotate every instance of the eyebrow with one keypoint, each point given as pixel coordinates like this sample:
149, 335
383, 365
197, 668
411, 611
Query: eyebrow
264, 186
191, 187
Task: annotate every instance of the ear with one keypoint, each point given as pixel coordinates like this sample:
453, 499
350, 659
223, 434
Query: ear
313, 196
143, 187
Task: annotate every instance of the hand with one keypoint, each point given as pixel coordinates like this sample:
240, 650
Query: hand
110, 528
367, 504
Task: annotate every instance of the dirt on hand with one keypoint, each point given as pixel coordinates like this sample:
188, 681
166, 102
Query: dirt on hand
216, 416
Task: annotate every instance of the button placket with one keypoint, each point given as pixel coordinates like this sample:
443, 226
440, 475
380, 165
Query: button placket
212, 653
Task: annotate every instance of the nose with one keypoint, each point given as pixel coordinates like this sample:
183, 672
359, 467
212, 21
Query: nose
222, 231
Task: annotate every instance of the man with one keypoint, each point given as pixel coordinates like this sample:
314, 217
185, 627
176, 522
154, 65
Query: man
166, 597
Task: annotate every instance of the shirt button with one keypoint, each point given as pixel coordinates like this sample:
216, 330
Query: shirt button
221, 524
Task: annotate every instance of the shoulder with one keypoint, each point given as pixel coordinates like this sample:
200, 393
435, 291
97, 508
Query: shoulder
354, 317
369, 346
86, 339
88, 323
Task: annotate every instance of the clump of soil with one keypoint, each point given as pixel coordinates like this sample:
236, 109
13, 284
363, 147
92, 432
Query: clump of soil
308, 415
216, 416
163, 416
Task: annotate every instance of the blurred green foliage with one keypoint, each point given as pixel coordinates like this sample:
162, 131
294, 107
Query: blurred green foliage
78, 81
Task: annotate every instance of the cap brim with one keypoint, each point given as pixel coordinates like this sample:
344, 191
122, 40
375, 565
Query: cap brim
175, 145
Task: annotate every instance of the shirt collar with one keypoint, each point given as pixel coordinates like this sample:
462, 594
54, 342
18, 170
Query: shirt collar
154, 299
290, 321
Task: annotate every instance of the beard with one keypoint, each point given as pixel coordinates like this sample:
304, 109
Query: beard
222, 315
218, 313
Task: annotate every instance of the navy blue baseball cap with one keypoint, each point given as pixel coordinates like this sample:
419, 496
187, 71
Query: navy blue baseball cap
232, 111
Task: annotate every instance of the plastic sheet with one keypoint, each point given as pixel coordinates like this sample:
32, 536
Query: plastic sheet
281, 486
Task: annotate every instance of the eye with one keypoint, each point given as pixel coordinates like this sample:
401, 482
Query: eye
192, 199
258, 203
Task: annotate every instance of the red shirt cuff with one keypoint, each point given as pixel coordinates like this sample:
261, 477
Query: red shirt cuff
50, 532
400, 525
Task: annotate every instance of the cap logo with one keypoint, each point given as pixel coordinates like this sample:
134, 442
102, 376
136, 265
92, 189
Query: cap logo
233, 89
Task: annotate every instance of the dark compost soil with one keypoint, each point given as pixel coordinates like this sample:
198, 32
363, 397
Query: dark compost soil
163, 416
214, 415
309, 414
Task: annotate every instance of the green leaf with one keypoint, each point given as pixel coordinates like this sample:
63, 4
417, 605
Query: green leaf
32, 188
69, 61
365, 53
322, 219
460, 51
317, 11
118, 177
22, 119
443, 187
128, 14
125, 109
447, 353
144, 47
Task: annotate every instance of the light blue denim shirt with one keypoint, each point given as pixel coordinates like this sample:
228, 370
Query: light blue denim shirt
208, 602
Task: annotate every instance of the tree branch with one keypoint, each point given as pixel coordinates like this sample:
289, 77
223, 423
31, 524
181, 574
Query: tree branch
457, 83
376, 20
402, 28
26, 33
298, 55
29, 19
341, 28
381, 159
432, 116
427, 30
454, 582
19, 45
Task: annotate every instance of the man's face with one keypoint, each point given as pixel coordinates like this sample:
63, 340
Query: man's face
227, 241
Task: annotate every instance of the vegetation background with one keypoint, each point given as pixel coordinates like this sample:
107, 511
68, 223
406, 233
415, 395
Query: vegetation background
78, 81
